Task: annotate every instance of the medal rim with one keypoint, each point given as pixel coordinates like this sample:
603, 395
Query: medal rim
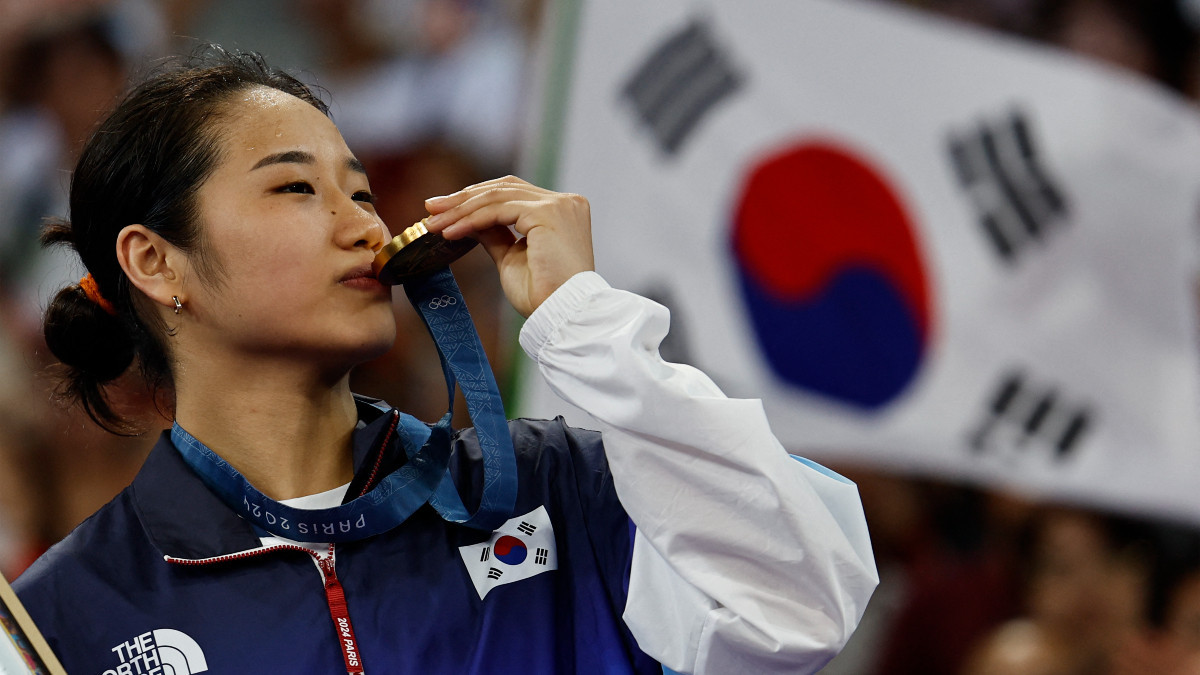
405, 239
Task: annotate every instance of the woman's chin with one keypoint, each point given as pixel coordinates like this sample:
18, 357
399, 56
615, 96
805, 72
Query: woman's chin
369, 341
377, 345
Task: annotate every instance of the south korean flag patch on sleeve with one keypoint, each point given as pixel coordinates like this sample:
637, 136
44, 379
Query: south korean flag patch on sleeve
520, 548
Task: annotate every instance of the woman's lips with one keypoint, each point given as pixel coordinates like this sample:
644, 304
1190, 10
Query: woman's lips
365, 283
362, 278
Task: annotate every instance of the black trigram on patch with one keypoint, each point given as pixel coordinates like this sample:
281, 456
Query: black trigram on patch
495, 573
526, 528
541, 556
1019, 412
1004, 176
679, 83
487, 553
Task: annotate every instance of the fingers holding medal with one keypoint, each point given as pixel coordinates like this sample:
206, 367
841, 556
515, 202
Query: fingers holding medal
554, 228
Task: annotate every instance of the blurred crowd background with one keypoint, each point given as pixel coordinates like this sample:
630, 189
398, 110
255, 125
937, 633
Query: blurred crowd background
433, 95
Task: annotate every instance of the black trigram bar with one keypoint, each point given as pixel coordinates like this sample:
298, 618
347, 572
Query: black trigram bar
526, 528
487, 553
1031, 413
681, 81
1071, 433
495, 573
541, 556
999, 167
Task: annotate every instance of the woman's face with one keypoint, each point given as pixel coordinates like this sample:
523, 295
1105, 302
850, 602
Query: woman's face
287, 218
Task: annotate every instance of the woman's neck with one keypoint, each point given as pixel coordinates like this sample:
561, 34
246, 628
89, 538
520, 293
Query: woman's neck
287, 430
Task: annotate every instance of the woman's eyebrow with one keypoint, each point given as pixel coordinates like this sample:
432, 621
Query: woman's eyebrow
302, 157
286, 157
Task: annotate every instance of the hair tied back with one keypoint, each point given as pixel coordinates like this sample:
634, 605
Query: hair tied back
92, 290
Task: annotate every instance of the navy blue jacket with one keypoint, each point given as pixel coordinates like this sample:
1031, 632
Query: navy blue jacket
135, 587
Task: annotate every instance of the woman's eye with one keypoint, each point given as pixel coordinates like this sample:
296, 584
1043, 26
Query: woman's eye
363, 196
299, 187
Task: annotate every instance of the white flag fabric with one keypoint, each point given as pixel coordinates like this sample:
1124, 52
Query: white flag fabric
926, 247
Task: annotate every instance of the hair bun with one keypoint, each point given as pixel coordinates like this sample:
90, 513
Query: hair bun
81, 334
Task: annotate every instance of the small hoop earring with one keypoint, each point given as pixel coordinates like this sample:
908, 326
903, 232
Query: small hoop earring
178, 304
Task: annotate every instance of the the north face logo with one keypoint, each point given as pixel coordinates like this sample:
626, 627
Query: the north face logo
161, 652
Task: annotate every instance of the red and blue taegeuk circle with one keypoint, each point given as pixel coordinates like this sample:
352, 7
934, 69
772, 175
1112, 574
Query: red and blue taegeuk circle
831, 274
510, 550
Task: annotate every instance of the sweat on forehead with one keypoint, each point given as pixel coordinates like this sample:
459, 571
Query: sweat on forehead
266, 96
256, 99
261, 119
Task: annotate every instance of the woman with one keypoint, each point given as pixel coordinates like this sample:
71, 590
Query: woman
229, 233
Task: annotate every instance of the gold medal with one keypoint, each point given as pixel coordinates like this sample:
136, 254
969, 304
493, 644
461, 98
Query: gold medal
417, 252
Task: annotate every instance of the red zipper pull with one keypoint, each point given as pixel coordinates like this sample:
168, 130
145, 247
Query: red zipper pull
336, 599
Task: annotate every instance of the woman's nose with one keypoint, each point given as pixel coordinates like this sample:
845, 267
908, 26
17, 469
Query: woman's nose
377, 235
360, 228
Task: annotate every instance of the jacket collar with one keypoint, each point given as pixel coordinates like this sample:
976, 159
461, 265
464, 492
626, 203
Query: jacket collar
183, 519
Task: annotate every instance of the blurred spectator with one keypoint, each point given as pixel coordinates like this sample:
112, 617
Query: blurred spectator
1022, 647
277, 29
1151, 37
1176, 651
64, 76
949, 554
1183, 615
1087, 598
65, 67
409, 72
1154, 38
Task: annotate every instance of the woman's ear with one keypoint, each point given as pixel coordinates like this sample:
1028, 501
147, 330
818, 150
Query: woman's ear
151, 263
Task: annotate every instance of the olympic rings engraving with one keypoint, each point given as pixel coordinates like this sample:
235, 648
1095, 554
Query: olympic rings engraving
444, 301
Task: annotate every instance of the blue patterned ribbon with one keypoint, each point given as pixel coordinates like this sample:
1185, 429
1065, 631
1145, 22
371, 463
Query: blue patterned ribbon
425, 476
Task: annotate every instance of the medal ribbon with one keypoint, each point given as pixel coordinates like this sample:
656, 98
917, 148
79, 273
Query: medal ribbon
425, 477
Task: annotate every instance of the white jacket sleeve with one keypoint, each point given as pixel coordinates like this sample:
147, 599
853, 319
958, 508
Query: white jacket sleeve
745, 560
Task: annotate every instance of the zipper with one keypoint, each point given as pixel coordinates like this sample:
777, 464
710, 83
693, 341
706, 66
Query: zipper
335, 595
379, 455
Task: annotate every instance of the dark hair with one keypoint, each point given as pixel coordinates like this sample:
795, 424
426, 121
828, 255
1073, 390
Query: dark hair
144, 164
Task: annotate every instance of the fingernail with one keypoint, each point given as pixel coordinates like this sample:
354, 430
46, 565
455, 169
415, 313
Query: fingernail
432, 200
432, 222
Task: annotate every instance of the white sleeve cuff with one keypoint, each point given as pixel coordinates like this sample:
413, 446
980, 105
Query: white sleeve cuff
558, 309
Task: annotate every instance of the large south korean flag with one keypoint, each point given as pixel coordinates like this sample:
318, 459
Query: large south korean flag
924, 246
